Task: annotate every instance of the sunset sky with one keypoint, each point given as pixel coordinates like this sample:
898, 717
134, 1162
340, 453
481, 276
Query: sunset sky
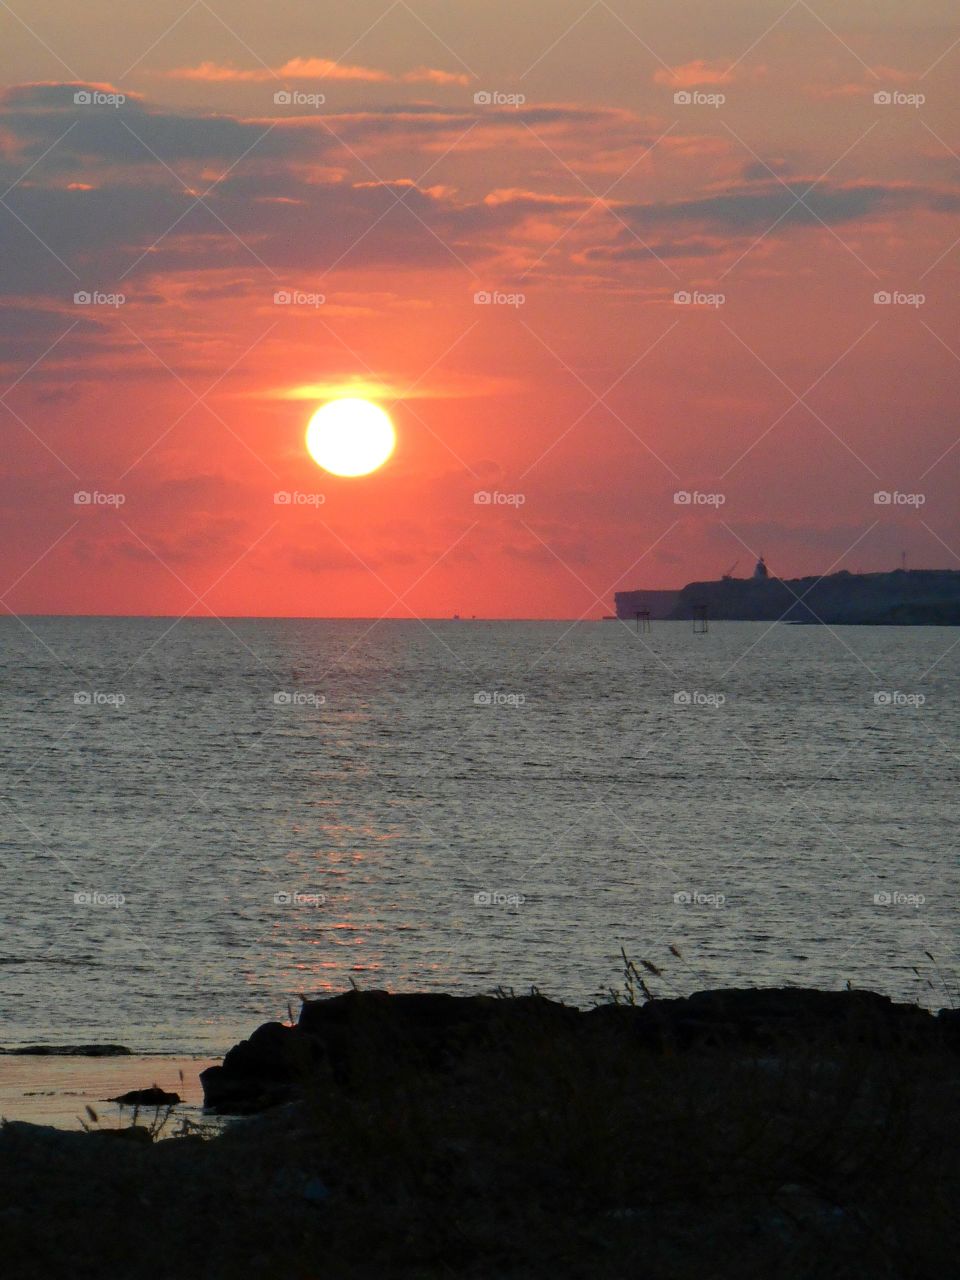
382, 196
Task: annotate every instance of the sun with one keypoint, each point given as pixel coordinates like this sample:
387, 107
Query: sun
350, 437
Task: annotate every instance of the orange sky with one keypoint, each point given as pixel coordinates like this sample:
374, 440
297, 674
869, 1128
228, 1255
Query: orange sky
419, 155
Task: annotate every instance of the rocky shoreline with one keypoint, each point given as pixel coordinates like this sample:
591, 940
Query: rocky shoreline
788, 1132
430, 1032
69, 1051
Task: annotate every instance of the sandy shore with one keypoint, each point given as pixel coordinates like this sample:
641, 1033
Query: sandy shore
55, 1090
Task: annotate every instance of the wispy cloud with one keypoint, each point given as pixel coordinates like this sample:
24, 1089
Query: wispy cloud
313, 69
693, 73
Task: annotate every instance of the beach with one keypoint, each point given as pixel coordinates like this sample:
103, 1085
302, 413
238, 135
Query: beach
56, 1090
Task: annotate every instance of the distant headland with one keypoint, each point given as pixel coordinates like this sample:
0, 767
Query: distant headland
903, 597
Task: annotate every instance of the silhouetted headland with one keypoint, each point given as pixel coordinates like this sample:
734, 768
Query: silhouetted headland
904, 597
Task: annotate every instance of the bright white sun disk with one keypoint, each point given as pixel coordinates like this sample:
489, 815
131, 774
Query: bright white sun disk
350, 437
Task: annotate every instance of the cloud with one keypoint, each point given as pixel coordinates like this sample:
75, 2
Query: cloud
337, 560
754, 207
720, 219
430, 75
763, 170
866, 87
312, 69
35, 116
665, 250
202, 538
443, 386
827, 92
693, 73
101, 204
118, 195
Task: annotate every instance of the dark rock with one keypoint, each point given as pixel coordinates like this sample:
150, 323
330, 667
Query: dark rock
152, 1097
780, 1016
425, 1023
347, 1038
73, 1051
949, 1023
130, 1133
256, 1073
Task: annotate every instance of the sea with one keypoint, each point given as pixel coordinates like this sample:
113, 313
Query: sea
202, 820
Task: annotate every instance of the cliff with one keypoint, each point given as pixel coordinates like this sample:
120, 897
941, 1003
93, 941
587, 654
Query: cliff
660, 604
918, 597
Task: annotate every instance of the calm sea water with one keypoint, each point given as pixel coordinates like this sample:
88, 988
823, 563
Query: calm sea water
255, 809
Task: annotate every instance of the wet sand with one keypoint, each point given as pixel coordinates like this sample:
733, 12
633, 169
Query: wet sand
55, 1090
